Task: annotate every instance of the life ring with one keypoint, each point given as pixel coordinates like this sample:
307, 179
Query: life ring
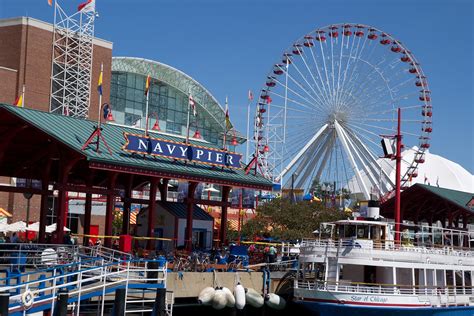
27, 299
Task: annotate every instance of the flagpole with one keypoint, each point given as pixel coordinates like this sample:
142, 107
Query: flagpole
225, 124
187, 123
146, 110
248, 132
100, 98
23, 96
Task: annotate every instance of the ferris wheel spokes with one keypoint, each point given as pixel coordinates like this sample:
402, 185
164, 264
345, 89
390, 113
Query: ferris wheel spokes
302, 151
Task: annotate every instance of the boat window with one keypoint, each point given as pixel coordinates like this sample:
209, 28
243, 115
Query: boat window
363, 232
375, 233
349, 231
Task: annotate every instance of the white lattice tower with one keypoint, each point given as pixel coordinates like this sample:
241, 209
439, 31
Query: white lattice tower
72, 62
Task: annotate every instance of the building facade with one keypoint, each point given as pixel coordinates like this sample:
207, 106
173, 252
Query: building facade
26, 52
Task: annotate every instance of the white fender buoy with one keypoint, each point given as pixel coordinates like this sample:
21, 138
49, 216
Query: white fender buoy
27, 299
219, 301
230, 297
206, 296
253, 298
239, 293
275, 301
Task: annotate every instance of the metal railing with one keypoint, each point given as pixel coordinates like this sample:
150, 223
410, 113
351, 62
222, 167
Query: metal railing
83, 272
329, 245
394, 289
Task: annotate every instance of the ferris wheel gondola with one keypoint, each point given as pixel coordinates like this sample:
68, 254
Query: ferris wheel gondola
327, 101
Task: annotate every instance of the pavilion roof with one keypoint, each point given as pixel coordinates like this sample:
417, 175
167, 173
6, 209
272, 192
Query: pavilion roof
73, 133
421, 201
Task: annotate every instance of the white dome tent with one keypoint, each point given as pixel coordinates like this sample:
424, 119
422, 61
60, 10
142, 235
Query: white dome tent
435, 171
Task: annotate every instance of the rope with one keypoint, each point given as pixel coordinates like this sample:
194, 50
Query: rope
117, 237
215, 282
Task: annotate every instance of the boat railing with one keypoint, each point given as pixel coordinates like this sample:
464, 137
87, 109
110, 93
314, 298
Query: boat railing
394, 289
309, 245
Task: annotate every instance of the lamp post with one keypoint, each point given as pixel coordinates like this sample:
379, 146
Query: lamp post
293, 197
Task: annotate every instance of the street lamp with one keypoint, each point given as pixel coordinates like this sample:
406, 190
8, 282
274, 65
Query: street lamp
293, 197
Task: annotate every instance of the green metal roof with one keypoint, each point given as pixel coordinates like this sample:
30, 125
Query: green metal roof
180, 210
459, 198
73, 132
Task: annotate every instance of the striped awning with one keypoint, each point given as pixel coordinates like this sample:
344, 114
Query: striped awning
133, 217
233, 224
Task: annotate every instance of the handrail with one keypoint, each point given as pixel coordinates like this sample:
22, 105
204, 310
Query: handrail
387, 245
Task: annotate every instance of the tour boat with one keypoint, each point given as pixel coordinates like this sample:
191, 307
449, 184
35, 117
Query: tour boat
355, 268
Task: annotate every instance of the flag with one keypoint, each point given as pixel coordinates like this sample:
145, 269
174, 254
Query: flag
99, 84
19, 101
426, 179
192, 104
437, 182
147, 84
88, 6
50, 2
250, 97
106, 110
228, 124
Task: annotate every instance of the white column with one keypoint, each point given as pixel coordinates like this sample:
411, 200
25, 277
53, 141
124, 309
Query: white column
425, 282
394, 278
413, 281
463, 282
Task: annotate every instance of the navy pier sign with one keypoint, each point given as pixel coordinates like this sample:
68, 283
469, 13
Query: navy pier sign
140, 144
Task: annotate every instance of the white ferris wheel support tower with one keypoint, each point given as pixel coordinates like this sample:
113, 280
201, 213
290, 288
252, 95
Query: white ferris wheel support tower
71, 68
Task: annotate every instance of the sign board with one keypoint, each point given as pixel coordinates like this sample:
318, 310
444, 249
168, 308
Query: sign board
140, 144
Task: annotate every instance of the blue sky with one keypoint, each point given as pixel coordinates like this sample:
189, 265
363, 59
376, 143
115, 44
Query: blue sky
230, 46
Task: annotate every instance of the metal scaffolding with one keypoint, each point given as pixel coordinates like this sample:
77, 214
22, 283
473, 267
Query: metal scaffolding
71, 67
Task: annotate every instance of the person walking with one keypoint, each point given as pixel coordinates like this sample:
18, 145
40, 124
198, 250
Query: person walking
272, 253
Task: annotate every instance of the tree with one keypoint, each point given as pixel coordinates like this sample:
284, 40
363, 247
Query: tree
284, 220
117, 222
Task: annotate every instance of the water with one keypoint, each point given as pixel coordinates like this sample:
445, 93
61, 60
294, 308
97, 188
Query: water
194, 310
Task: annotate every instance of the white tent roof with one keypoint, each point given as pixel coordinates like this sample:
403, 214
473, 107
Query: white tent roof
17, 227
51, 228
438, 171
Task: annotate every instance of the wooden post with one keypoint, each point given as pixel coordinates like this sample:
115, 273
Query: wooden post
151, 213
109, 209
189, 216
127, 205
164, 189
87, 218
65, 167
44, 202
225, 197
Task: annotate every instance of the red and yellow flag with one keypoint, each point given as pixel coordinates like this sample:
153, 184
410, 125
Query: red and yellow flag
50, 2
19, 101
147, 84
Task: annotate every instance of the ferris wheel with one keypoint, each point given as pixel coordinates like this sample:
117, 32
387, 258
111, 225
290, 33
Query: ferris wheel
327, 103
